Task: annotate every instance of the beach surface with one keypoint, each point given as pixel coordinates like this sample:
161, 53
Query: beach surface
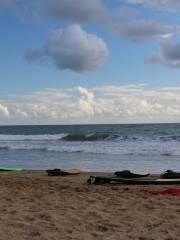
36, 206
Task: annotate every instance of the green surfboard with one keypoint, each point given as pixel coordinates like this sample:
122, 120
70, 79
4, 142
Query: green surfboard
8, 169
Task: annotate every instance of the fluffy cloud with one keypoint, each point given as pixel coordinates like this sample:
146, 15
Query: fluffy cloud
167, 5
169, 55
106, 104
4, 111
78, 51
73, 49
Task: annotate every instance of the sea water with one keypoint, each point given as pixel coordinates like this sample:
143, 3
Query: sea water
142, 147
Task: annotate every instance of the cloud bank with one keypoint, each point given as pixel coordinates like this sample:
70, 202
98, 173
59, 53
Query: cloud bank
105, 104
73, 49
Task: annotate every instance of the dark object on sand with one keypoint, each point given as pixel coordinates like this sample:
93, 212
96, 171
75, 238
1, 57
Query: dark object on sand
169, 174
129, 174
131, 181
170, 191
99, 180
61, 172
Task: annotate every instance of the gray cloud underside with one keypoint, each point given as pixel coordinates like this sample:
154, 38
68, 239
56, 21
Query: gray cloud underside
169, 55
72, 49
115, 104
141, 30
167, 5
78, 11
85, 56
95, 11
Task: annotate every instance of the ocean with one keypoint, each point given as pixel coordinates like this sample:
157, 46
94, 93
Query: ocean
142, 147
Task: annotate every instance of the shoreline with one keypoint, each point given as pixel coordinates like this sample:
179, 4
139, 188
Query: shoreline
36, 206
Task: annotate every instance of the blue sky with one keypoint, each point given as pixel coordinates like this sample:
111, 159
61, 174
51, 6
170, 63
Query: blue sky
75, 53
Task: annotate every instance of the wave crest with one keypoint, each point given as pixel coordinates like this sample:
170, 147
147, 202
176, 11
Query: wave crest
87, 137
40, 137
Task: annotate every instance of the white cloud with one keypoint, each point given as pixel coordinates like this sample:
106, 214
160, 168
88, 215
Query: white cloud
73, 49
87, 104
4, 111
105, 104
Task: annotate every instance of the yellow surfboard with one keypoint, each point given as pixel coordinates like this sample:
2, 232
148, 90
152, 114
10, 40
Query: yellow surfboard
73, 171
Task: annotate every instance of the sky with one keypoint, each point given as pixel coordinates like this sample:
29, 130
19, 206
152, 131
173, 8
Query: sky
83, 62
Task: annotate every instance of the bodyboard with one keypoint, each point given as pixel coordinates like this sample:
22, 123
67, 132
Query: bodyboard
8, 169
73, 171
131, 174
62, 172
142, 174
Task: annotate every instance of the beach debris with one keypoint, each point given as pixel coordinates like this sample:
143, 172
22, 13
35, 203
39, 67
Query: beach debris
169, 191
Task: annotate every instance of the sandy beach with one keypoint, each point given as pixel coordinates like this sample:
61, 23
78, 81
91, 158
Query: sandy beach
36, 206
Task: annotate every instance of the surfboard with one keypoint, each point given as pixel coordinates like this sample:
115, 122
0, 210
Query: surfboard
142, 174
132, 181
131, 174
62, 172
73, 171
8, 169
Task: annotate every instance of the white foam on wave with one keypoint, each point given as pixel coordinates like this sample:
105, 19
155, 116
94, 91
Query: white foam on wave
111, 148
127, 147
40, 137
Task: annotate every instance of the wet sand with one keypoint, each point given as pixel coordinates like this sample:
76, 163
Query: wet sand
35, 206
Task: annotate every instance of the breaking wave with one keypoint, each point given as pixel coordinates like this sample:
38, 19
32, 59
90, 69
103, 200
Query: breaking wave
41, 137
62, 136
124, 136
88, 137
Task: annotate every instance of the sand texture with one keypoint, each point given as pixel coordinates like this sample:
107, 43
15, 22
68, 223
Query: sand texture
35, 206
